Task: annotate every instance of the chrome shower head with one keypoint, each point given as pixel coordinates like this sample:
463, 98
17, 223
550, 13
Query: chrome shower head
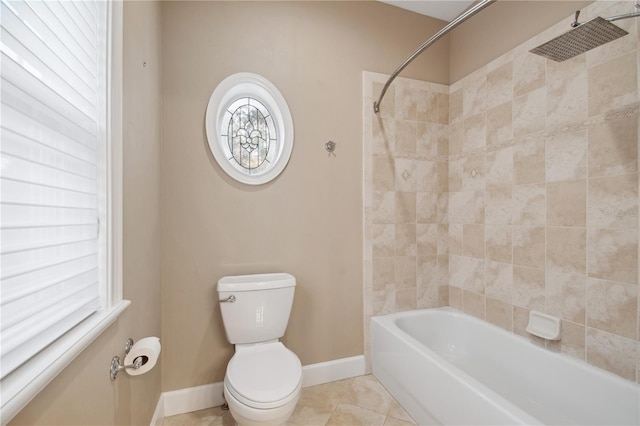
582, 38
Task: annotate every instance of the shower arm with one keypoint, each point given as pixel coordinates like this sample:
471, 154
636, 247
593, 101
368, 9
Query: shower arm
451, 25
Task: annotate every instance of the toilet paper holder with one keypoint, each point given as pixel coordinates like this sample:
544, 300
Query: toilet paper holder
115, 361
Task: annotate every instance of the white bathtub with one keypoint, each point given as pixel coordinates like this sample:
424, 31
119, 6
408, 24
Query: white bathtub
446, 367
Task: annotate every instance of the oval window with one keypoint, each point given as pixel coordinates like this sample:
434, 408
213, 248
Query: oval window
249, 128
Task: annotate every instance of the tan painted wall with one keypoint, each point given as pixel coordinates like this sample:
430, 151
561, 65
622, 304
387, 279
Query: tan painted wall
309, 220
501, 27
83, 393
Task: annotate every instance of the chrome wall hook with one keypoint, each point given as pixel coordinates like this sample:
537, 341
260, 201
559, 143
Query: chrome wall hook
330, 146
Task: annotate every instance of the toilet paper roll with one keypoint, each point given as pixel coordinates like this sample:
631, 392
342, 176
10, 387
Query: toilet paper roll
147, 348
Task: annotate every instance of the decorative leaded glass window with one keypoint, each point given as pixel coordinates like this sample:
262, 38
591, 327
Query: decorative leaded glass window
249, 128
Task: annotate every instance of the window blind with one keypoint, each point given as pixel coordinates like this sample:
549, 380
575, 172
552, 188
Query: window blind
50, 124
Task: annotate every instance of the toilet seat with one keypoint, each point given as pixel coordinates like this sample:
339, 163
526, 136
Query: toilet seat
264, 376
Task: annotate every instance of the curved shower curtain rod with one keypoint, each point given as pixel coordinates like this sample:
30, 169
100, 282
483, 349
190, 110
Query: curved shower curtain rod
460, 19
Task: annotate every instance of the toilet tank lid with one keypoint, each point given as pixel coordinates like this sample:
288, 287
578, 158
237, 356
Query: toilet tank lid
256, 282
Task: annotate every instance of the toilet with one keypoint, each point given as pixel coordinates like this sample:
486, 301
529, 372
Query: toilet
263, 379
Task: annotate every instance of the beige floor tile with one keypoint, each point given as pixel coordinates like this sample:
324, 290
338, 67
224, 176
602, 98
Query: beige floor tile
359, 400
346, 414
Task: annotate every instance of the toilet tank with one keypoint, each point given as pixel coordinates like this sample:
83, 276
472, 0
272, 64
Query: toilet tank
260, 308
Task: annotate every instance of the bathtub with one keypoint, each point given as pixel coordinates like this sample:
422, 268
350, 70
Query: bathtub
446, 367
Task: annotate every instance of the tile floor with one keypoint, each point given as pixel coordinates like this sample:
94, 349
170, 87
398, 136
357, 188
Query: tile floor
357, 401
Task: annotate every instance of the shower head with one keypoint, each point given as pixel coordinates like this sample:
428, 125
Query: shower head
582, 38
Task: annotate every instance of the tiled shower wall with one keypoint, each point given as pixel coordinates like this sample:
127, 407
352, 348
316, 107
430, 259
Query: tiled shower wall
406, 175
540, 207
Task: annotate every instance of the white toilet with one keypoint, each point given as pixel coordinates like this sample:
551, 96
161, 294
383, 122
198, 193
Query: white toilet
264, 378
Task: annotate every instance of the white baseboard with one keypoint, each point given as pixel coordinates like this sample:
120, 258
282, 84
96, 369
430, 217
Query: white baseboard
193, 399
158, 414
207, 396
331, 371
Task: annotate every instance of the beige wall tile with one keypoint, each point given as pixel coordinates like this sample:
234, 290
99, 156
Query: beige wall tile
499, 124
405, 207
566, 296
388, 107
455, 297
443, 176
499, 313
427, 173
528, 73
475, 93
528, 246
427, 239
443, 140
383, 135
613, 84
499, 208
383, 237
572, 342
443, 108
499, 85
443, 295
498, 244
427, 139
405, 299
566, 250
383, 174
406, 137
613, 148
473, 178
612, 307
529, 205
467, 273
612, 255
427, 297
406, 239
529, 113
567, 203
466, 207
565, 69
455, 238
499, 171
566, 98
474, 133
405, 272
384, 274
443, 239
499, 281
427, 271
443, 270
406, 103
613, 202
427, 106
456, 174
383, 207
426, 207
613, 353
529, 162
473, 241
456, 138
566, 156
473, 304
455, 106
528, 288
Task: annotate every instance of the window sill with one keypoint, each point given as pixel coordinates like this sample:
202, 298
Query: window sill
21, 386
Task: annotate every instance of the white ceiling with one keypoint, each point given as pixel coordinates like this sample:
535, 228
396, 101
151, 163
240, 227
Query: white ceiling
447, 10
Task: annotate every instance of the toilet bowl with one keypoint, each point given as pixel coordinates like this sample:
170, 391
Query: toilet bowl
262, 384
263, 379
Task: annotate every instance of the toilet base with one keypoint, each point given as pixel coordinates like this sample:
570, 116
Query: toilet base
249, 416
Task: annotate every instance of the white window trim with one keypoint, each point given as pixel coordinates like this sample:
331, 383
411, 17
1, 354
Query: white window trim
23, 384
